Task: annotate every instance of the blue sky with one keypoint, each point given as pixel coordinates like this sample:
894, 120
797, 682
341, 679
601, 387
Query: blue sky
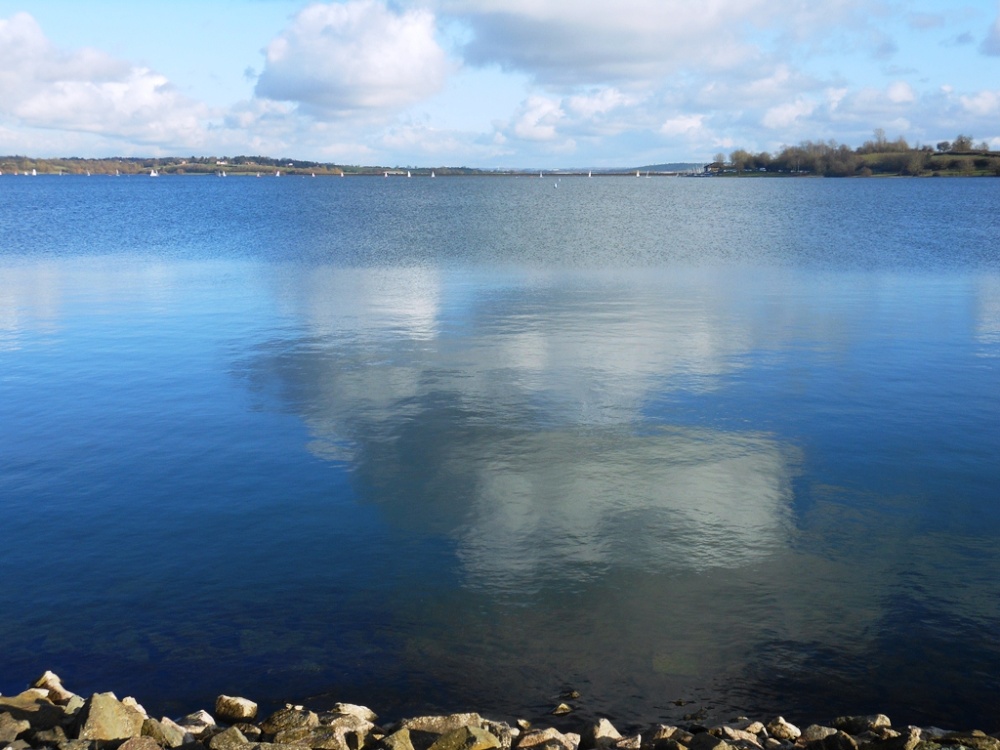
491, 83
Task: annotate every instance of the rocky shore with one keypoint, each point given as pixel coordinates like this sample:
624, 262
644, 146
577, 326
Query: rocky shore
49, 716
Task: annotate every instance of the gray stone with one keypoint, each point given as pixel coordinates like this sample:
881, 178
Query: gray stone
57, 693
228, 739
504, 732
76, 745
708, 741
905, 740
104, 717
289, 717
602, 734
466, 738
347, 733
33, 706
861, 724
250, 731
655, 738
140, 743
783, 730
815, 732
232, 709
772, 743
17, 745
632, 742
398, 740
839, 740
350, 709
166, 733
131, 702
441, 724
973, 740
197, 724
549, 739
48, 737
733, 735
11, 728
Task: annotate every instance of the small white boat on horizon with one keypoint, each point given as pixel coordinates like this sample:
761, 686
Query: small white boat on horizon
432, 174
154, 173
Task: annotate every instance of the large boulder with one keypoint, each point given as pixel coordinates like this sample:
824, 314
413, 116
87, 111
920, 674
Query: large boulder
232, 709
140, 743
166, 732
861, 724
11, 728
289, 717
548, 739
441, 724
602, 734
783, 730
35, 707
466, 738
198, 724
104, 717
228, 739
839, 740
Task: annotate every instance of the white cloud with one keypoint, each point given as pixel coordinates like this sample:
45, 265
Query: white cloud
537, 119
900, 92
983, 104
354, 57
682, 125
88, 91
784, 115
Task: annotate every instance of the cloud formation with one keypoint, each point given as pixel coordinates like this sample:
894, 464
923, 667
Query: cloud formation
88, 91
991, 44
355, 56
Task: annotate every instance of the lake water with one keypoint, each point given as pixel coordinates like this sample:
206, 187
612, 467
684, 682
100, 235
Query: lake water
467, 443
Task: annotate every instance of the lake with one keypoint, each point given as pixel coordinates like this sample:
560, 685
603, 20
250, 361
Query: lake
469, 443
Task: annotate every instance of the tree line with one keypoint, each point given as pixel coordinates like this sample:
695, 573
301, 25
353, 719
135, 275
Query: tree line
878, 156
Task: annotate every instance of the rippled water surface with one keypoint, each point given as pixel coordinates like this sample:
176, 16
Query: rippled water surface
470, 442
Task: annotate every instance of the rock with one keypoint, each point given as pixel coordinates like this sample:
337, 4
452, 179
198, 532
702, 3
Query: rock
466, 738
11, 728
273, 746
35, 707
736, 735
861, 724
57, 693
561, 710
906, 740
815, 732
289, 717
656, 737
104, 717
600, 735
524, 724
76, 745
228, 739
48, 737
441, 724
504, 732
344, 733
166, 733
140, 743
17, 745
783, 730
197, 724
250, 731
232, 709
398, 740
632, 742
973, 740
839, 740
771, 743
350, 709
549, 739
708, 741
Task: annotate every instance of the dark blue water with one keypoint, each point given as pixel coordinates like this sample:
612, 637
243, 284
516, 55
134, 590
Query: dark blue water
469, 442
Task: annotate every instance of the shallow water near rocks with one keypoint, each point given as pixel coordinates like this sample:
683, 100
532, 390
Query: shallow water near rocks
468, 443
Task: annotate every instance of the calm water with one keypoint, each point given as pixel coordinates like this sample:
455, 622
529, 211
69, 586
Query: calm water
467, 443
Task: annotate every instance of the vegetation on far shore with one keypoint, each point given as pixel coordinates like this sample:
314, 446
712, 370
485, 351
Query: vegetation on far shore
878, 156
875, 157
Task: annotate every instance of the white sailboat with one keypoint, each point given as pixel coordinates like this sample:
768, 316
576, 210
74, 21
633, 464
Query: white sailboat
590, 173
34, 173
277, 173
408, 173
432, 174
637, 173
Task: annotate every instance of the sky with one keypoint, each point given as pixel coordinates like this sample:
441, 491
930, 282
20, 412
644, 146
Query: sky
491, 83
